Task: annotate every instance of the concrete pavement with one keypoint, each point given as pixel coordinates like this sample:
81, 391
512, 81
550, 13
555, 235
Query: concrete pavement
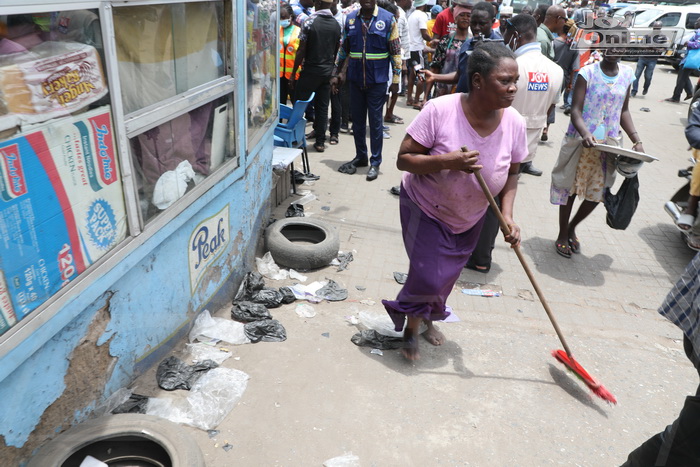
491, 395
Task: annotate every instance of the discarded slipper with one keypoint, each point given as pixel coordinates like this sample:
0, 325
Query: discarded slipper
685, 222
575, 245
563, 249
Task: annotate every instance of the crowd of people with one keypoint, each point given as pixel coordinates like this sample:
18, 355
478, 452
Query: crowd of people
486, 82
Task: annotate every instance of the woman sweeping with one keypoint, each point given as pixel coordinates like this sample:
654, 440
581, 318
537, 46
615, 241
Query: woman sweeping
598, 110
442, 204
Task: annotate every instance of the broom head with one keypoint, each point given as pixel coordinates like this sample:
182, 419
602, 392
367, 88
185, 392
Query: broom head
597, 388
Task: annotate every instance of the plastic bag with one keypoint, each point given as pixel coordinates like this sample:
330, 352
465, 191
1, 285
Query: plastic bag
371, 338
218, 328
308, 291
346, 460
344, 259
332, 292
172, 185
304, 310
622, 205
287, 295
294, 210
249, 311
381, 323
268, 268
207, 404
252, 282
267, 330
172, 373
201, 352
400, 277
136, 403
271, 298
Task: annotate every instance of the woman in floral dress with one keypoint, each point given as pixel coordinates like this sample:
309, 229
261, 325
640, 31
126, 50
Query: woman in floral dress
446, 57
599, 109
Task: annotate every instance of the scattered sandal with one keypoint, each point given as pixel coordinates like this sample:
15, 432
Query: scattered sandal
685, 222
563, 249
575, 245
333, 140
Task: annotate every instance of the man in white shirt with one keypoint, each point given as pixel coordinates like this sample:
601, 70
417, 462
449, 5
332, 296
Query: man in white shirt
539, 85
418, 35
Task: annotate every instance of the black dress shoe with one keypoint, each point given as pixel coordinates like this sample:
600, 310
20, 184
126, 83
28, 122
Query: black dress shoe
529, 169
372, 173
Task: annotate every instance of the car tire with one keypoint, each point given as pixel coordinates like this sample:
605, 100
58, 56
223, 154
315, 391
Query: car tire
122, 437
301, 243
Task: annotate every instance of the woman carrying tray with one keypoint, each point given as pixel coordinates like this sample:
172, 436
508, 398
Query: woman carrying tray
599, 109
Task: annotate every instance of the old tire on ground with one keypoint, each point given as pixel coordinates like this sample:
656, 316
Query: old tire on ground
301, 243
143, 440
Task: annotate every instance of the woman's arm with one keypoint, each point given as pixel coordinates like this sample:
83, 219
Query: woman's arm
507, 197
628, 125
414, 158
577, 112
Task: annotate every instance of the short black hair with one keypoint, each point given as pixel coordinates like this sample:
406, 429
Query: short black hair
286, 6
486, 7
485, 58
541, 9
524, 24
388, 6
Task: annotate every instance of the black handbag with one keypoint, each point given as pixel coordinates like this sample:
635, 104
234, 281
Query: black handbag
621, 205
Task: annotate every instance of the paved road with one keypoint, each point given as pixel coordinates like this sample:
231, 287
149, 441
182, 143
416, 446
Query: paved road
492, 395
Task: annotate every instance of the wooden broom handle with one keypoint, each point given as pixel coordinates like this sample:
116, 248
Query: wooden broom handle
523, 262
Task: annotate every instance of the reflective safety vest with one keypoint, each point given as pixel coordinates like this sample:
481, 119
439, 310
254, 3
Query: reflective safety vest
369, 53
288, 53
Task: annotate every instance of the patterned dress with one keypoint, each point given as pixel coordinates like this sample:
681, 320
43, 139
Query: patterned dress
602, 108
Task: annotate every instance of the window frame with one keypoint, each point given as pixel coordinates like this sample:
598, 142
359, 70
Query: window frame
29, 334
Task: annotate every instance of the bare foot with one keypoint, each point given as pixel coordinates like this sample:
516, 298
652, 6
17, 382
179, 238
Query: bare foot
410, 348
432, 334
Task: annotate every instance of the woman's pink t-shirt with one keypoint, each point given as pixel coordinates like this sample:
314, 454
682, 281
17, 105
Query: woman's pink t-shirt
451, 196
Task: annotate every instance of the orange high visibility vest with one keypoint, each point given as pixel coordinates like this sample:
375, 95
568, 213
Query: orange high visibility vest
288, 53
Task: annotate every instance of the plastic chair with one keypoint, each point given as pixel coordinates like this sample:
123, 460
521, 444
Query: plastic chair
290, 132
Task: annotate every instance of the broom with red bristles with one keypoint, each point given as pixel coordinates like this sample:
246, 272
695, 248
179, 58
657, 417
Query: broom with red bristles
564, 356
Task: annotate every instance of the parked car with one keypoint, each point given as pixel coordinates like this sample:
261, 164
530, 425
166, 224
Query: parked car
681, 18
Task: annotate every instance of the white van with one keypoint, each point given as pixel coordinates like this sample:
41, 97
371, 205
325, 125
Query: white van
681, 17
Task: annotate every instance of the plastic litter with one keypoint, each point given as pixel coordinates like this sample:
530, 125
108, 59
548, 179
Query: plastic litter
201, 352
376, 352
307, 198
90, 461
227, 447
380, 323
172, 373
205, 326
247, 312
136, 403
344, 259
210, 400
325, 208
308, 291
294, 210
271, 298
346, 460
368, 302
213, 433
268, 268
172, 185
361, 288
287, 295
371, 338
645, 109
297, 276
267, 330
305, 310
481, 293
252, 282
332, 292
400, 277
